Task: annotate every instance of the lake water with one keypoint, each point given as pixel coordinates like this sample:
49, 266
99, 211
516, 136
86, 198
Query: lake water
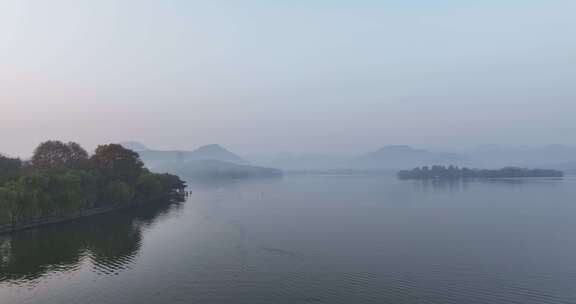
311, 239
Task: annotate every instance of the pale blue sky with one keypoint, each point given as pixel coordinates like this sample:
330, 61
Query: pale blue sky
269, 76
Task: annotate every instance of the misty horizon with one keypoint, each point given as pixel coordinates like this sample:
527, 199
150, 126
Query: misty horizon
346, 77
287, 152
347, 153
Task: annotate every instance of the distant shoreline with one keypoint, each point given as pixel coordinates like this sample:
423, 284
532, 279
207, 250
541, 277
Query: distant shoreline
453, 172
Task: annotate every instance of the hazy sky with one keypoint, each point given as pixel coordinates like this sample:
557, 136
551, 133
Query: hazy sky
292, 75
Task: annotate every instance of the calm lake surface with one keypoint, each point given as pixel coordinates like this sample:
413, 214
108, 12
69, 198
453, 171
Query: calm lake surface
311, 239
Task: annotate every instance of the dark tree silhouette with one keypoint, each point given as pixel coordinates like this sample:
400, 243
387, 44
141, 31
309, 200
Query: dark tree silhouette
63, 180
10, 168
54, 154
78, 157
118, 163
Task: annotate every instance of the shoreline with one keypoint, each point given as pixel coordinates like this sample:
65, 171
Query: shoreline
57, 219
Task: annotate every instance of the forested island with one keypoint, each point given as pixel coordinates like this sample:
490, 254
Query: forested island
454, 172
62, 179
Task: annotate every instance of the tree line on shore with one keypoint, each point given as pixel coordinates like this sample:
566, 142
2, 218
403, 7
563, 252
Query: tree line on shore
454, 172
62, 178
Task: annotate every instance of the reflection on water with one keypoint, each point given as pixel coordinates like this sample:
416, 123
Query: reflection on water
463, 184
440, 184
109, 243
312, 239
214, 183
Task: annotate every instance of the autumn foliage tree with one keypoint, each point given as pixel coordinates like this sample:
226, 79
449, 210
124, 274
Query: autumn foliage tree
54, 154
118, 163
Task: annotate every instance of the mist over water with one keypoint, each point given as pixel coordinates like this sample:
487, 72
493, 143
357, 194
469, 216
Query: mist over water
398, 151
312, 239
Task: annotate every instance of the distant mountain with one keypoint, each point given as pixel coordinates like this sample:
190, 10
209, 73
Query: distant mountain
394, 157
210, 152
398, 157
206, 162
134, 146
386, 158
215, 169
214, 152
